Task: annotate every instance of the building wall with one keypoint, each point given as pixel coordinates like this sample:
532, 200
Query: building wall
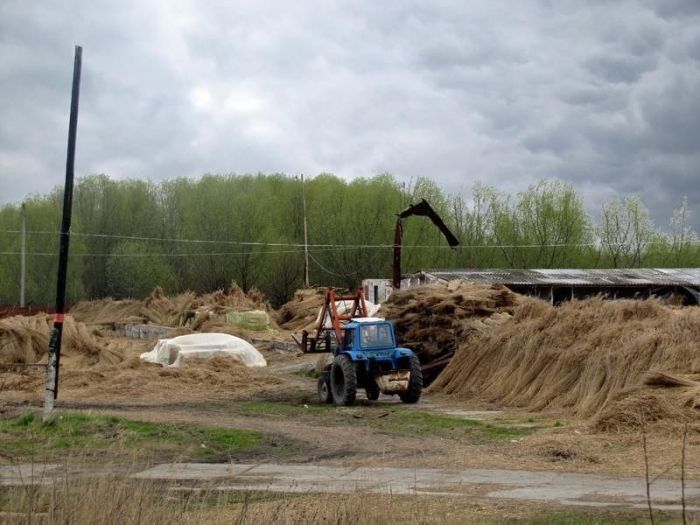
377, 290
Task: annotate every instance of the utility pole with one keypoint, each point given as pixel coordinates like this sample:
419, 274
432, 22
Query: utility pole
306, 239
22, 260
55, 342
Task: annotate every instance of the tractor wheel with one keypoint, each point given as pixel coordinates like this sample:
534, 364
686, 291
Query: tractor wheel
324, 389
372, 391
415, 383
343, 381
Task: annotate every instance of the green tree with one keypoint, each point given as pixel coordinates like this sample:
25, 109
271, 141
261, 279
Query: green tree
626, 232
134, 269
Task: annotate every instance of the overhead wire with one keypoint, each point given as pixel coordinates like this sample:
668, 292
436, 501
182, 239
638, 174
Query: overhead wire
331, 271
338, 246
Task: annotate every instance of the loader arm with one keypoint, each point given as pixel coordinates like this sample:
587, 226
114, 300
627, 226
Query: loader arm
329, 312
423, 209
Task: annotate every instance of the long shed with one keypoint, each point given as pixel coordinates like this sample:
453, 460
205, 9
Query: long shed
679, 285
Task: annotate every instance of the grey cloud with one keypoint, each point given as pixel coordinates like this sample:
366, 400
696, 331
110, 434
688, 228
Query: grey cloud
675, 8
620, 69
598, 93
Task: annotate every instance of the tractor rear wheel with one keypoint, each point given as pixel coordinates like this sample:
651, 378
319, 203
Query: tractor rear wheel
415, 383
324, 389
343, 381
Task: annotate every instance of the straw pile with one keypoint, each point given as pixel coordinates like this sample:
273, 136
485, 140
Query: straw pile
301, 311
26, 340
591, 358
433, 319
136, 382
186, 309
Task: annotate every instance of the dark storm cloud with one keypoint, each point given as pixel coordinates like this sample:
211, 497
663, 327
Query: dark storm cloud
602, 94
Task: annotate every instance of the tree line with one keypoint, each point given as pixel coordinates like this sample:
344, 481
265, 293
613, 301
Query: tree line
203, 234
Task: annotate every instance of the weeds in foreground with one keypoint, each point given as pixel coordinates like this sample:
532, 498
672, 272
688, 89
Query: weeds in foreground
115, 498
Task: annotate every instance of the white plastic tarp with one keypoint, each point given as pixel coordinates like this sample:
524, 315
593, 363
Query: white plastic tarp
174, 352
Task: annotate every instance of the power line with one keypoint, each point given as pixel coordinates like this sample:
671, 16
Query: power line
346, 246
172, 254
330, 271
50, 254
200, 241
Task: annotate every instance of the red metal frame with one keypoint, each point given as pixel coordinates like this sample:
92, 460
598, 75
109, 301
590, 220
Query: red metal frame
330, 309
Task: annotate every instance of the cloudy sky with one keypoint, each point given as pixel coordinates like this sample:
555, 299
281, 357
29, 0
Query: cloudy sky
604, 94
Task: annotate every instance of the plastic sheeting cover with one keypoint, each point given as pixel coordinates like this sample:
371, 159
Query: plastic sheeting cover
174, 352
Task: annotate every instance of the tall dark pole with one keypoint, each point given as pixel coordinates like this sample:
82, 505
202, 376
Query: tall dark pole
306, 238
55, 342
23, 258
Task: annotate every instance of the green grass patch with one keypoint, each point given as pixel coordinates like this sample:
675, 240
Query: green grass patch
391, 419
27, 435
414, 422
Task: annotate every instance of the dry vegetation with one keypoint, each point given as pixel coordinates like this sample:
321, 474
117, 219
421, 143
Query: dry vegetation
592, 359
116, 499
26, 340
99, 364
300, 312
610, 362
434, 319
187, 309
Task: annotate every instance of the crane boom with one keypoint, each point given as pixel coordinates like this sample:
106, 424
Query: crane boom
423, 209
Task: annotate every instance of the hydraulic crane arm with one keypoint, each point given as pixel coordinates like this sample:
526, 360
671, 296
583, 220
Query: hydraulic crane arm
423, 209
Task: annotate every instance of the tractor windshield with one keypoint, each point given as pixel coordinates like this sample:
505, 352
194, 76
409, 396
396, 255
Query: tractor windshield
376, 336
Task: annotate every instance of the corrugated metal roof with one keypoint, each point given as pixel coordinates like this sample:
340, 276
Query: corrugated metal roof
613, 277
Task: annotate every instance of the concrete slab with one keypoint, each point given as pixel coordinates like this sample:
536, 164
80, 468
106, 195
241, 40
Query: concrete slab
556, 487
564, 488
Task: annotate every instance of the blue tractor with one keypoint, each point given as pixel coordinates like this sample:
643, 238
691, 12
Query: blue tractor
365, 354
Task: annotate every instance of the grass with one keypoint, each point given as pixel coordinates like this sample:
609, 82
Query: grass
414, 422
391, 419
116, 499
26, 435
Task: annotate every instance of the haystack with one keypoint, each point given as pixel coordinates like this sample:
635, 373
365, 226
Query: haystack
26, 340
581, 356
301, 311
186, 309
157, 308
433, 319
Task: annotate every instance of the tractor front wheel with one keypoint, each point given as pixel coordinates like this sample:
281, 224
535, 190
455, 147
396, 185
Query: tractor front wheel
343, 381
415, 383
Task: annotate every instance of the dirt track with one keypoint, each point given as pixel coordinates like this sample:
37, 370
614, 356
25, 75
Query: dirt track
284, 406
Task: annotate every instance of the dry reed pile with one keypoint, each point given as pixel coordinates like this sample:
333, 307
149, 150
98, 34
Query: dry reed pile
186, 309
433, 319
26, 340
301, 311
137, 382
591, 358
